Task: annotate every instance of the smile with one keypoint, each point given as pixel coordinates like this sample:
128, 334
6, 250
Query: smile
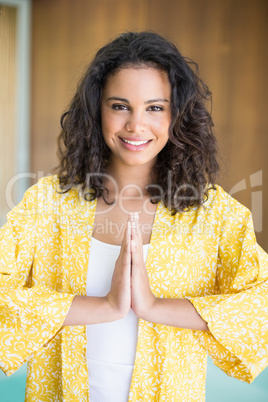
132, 145
137, 143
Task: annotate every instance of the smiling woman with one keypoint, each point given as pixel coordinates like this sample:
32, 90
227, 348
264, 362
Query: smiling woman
130, 312
136, 115
185, 119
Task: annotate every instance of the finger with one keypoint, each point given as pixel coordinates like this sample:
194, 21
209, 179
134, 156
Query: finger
125, 242
136, 248
136, 216
128, 235
126, 252
127, 239
137, 237
133, 235
133, 227
131, 216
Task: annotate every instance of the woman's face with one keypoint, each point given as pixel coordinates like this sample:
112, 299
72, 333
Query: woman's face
136, 114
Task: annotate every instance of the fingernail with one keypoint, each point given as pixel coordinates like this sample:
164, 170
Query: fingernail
136, 215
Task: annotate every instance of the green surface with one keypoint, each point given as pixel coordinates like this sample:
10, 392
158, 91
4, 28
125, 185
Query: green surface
220, 387
12, 388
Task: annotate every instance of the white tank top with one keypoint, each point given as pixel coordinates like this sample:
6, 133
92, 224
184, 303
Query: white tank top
111, 346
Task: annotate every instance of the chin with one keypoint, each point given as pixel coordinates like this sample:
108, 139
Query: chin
137, 162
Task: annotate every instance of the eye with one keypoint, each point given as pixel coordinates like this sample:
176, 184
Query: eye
155, 108
119, 106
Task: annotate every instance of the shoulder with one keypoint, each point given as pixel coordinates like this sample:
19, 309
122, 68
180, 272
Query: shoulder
225, 206
47, 197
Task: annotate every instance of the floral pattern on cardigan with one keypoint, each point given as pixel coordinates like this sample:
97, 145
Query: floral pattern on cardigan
208, 255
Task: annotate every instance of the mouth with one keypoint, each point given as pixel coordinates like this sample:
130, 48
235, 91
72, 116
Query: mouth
134, 145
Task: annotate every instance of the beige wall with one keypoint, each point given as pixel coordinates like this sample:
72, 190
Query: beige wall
227, 39
8, 64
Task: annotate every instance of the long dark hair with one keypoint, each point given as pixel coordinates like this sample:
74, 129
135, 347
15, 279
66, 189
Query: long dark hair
184, 167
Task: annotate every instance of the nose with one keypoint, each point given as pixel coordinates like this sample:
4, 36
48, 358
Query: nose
136, 123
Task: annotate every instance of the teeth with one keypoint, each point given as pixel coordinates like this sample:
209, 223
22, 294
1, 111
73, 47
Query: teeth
135, 142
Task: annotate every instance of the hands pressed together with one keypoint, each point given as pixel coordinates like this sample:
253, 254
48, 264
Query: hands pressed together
130, 288
130, 284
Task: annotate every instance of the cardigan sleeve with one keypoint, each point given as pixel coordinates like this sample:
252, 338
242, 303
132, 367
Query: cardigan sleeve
237, 314
29, 316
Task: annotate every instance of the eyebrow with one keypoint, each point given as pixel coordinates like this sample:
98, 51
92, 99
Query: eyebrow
146, 102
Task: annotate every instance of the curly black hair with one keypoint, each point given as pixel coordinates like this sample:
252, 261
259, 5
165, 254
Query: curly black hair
186, 167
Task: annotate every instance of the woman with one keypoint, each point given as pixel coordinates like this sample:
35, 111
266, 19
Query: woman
120, 272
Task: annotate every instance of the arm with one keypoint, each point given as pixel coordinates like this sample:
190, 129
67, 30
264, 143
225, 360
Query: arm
87, 310
30, 317
174, 312
236, 314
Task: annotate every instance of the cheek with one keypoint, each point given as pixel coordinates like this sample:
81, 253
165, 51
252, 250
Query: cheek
105, 127
111, 124
161, 128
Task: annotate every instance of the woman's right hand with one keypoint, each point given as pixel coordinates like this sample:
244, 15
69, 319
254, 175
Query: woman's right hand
119, 296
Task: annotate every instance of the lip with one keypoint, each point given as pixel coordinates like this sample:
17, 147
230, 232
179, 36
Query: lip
134, 139
131, 147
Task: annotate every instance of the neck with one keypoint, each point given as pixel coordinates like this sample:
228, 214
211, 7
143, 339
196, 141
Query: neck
130, 181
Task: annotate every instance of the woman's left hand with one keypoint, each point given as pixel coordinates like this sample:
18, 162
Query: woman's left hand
142, 299
178, 313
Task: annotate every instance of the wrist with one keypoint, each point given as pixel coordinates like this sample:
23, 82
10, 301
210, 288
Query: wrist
147, 311
113, 310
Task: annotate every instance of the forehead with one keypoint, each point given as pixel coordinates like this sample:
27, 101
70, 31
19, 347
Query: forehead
138, 81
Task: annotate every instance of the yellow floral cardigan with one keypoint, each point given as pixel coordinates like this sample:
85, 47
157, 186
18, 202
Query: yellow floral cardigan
208, 255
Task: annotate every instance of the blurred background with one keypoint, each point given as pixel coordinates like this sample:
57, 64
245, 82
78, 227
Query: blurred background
45, 46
